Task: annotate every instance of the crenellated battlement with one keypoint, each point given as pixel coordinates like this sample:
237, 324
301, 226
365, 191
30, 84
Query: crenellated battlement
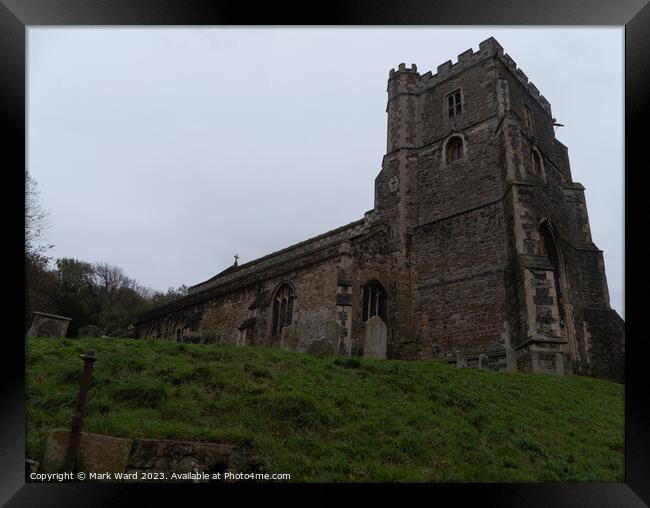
487, 49
402, 69
523, 79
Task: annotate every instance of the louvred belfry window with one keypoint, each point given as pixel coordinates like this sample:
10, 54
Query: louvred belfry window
282, 308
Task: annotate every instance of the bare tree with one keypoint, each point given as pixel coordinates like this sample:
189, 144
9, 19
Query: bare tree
36, 219
110, 279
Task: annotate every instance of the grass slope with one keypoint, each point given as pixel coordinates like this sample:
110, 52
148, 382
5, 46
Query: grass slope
336, 419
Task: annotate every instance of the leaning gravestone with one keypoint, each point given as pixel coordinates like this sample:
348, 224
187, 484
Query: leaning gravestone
90, 331
48, 325
375, 343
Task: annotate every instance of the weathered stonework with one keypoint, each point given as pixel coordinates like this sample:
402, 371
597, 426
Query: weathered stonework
99, 454
479, 255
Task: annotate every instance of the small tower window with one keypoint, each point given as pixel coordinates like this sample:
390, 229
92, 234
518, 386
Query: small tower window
374, 301
454, 104
282, 308
454, 149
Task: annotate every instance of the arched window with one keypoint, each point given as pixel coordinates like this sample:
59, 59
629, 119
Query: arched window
537, 163
282, 308
374, 301
454, 149
550, 249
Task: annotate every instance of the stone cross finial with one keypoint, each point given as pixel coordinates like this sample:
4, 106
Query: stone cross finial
236, 259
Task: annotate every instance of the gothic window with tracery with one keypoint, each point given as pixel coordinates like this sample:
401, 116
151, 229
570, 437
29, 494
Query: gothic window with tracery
374, 301
282, 307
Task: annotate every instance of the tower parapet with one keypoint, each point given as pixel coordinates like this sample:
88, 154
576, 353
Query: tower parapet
416, 83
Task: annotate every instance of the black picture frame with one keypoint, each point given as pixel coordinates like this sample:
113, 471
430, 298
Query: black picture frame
17, 15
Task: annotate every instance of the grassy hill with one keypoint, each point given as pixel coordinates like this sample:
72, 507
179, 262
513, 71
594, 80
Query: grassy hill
336, 419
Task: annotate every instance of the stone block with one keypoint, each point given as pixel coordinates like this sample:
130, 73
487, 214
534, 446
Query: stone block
97, 453
322, 347
188, 456
90, 331
31, 466
143, 453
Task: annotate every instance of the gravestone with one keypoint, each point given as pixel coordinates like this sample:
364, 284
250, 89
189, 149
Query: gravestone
48, 325
331, 330
90, 331
328, 343
322, 347
375, 343
356, 347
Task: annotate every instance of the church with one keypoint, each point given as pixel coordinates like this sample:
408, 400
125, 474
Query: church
478, 250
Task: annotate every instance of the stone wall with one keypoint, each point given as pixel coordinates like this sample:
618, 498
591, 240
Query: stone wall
165, 456
460, 294
102, 454
315, 303
605, 343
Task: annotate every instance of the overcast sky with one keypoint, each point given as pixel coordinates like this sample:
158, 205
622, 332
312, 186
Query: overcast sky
168, 150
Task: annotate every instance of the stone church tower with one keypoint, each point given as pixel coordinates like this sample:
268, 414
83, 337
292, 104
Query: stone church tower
478, 250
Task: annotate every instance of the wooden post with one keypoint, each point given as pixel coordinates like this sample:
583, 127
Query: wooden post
77, 420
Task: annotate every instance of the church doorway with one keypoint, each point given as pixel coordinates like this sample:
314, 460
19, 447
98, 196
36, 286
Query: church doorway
550, 247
